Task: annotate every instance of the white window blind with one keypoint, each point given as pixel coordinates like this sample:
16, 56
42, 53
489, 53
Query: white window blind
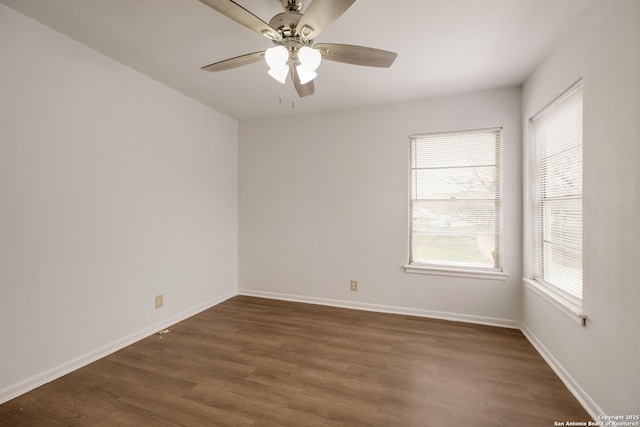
455, 200
557, 135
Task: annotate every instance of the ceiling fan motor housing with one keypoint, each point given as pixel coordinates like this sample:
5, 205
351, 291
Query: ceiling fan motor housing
286, 23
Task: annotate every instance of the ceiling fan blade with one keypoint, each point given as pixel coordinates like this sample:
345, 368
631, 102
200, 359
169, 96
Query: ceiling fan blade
302, 89
319, 15
236, 62
242, 16
356, 55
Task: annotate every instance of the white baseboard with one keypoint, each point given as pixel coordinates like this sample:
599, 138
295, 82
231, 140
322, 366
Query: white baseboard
37, 380
456, 317
578, 392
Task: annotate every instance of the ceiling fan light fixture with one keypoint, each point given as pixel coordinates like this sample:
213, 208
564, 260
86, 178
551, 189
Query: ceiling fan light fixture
309, 58
293, 34
305, 75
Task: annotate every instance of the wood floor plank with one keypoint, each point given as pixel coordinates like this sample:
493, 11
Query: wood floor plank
258, 362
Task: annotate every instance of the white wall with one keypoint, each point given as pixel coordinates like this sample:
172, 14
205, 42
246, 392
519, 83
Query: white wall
113, 188
323, 200
602, 359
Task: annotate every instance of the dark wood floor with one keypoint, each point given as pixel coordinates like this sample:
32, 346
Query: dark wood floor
257, 362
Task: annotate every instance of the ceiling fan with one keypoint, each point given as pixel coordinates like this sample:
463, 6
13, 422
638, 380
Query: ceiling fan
293, 34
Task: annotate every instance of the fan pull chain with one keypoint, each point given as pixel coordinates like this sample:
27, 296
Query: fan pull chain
281, 99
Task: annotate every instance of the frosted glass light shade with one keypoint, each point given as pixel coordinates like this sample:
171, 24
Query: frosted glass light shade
304, 75
279, 73
276, 57
309, 58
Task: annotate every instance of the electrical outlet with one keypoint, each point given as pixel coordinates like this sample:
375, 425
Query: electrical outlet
354, 285
159, 301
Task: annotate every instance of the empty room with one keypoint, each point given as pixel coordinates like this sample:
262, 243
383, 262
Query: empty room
320, 213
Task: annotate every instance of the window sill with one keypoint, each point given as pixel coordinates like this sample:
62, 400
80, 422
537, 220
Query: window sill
566, 306
439, 271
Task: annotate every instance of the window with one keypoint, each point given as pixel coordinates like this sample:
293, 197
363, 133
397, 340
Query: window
455, 200
557, 140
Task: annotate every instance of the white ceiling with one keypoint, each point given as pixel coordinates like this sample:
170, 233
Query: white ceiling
444, 47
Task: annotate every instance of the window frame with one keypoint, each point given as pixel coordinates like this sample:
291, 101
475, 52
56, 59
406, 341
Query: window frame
492, 273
